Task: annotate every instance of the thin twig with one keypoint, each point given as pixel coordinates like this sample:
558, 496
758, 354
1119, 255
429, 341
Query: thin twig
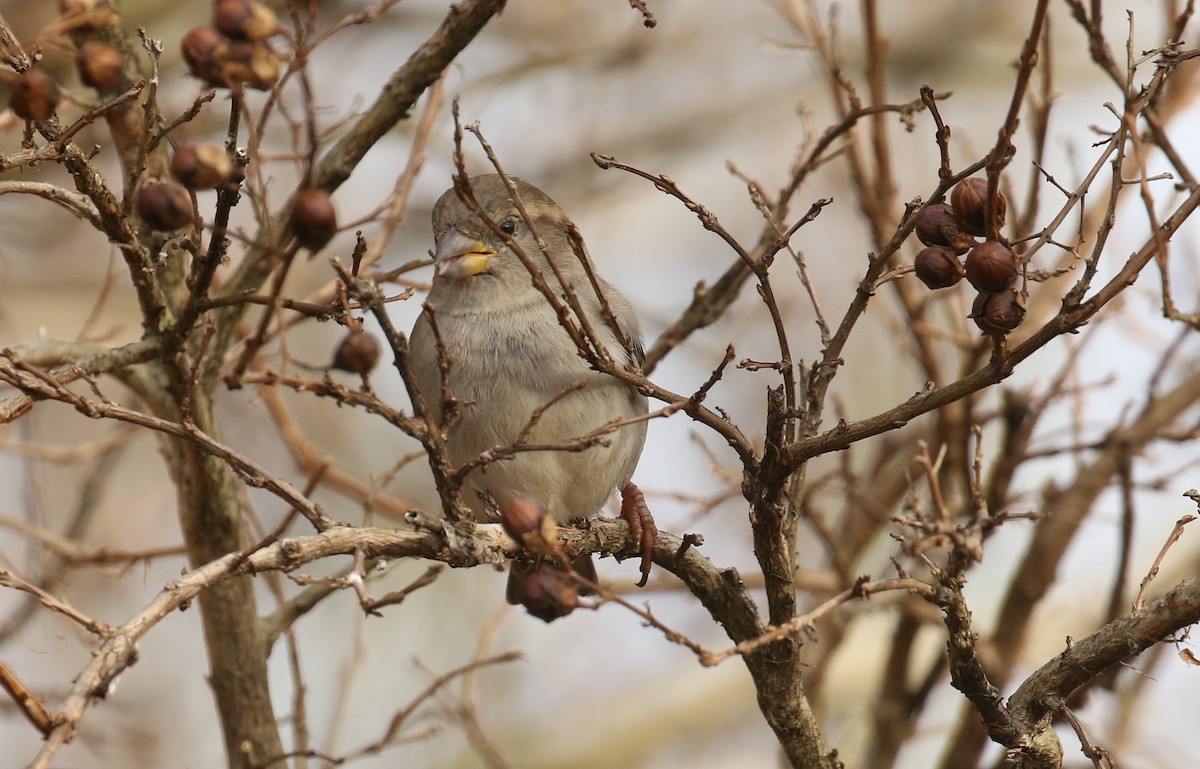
1139, 603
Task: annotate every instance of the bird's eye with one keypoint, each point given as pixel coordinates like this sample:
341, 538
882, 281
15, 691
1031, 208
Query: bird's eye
508, 226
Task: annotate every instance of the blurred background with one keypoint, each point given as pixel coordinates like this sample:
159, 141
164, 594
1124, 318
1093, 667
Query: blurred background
714, 85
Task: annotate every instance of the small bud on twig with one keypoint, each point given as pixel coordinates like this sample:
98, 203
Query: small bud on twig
358, 353
244, 19
164, 206
969, 201
545, 591
100, 65
936, 226
34, 95
202, 166
991, 266
997, 313
313, 219
938, 267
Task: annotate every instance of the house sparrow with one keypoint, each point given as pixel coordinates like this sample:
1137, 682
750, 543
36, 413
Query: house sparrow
518, 375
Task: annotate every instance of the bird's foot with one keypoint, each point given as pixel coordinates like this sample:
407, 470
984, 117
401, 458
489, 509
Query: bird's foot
643, 534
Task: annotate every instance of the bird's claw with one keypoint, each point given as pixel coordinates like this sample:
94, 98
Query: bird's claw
643, 534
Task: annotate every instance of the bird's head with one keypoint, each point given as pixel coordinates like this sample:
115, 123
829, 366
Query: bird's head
469, 250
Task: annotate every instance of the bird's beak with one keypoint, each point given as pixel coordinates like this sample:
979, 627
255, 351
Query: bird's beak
460, 256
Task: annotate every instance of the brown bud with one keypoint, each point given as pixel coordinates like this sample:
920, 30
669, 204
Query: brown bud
100, 65
521, 516
936, 226
358, 353
244, 19
525, 520
205, 51
202, 166
545, 591
938, 267
997, 313
991, 266
313, 219
252, 62
34, 95
969, 201
164, 206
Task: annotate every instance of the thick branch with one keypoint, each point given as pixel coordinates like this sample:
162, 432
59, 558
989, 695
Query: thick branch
1082, 661
394, 103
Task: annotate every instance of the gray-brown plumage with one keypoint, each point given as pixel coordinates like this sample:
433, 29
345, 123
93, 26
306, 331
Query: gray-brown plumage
509, 356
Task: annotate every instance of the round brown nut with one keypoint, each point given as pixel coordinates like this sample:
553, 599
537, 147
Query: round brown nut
164, 206
938, 267
997, 313
253, 63
205, 51
991, 266
244, 19
545, 591
34, 95
358, 353
313, 219
521, 516
936, 226
100, 66
969, 202
202, 166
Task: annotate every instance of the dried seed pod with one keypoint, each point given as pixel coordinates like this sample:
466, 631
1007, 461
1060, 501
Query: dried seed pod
313, 219
936, 226
205, 51
100, 66
521, 516
997, 313
545, 591
938, 267
253, 63
164, 206
525, 519
969, 201
34, 95
358, 353
991, 266
202, 166
244, 19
